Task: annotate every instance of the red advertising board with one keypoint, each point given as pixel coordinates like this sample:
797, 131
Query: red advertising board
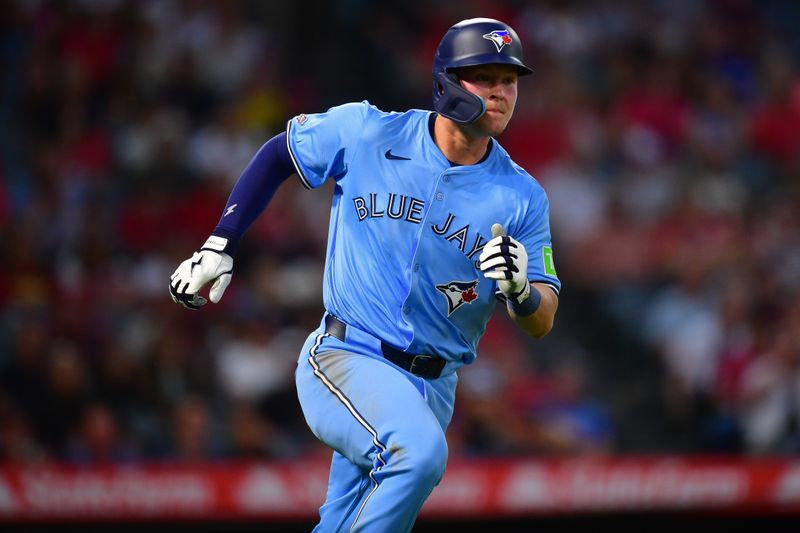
479, 488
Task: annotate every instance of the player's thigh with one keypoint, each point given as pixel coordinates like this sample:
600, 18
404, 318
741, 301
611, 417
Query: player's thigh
359, 405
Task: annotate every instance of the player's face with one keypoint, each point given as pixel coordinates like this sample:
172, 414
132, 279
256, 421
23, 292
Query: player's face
497, 85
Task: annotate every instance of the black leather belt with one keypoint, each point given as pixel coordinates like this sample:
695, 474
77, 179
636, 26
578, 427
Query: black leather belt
425, 366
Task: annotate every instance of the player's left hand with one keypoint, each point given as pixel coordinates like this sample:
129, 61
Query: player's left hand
505, 259
207, 264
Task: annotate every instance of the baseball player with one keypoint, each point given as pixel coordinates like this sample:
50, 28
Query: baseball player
431, 225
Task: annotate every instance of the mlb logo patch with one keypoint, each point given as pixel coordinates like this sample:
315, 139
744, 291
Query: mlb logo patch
458, 293
301, 119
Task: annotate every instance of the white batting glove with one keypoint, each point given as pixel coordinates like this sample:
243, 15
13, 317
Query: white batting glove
505, 259
210, 263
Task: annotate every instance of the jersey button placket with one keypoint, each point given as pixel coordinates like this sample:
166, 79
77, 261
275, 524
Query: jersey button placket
439, 196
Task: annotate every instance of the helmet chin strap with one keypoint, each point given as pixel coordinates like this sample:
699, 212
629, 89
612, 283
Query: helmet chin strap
453, 101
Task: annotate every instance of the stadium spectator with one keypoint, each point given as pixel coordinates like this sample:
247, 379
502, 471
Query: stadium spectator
668, 140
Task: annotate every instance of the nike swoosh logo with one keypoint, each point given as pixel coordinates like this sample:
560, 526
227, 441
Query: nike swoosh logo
390, 155
195, 263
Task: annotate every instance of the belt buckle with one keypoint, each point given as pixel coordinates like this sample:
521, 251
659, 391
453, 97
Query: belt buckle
417, 358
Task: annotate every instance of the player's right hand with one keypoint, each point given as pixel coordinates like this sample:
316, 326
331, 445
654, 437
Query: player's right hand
505, 260
209, 263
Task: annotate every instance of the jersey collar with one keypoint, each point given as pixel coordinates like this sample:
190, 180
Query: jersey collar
489, 147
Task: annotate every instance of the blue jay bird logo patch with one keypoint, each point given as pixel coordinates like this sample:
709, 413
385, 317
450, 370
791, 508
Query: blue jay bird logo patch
458, 293
500, 38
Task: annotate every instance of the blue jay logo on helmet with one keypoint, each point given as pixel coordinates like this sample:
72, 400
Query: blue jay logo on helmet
500, 38
458, 293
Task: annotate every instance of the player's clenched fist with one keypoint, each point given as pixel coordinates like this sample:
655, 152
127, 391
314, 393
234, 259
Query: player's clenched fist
504, 259
210, 263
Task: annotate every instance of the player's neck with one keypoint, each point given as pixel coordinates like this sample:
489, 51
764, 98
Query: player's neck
463, 145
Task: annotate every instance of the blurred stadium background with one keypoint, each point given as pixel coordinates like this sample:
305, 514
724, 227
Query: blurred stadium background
667, 134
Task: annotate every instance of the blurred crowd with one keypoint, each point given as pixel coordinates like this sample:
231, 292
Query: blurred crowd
666, 133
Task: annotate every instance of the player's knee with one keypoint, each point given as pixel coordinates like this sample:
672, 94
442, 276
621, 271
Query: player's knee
428, 457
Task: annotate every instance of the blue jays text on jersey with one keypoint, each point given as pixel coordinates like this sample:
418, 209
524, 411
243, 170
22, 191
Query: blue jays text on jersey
406, 226
396, 209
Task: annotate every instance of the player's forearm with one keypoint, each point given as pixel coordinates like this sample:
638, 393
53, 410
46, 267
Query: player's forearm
540, 322
270, 167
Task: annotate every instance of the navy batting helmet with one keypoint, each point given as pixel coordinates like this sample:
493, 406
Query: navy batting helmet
479, 41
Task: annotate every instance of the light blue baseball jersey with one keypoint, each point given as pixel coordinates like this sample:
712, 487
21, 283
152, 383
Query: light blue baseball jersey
407, 226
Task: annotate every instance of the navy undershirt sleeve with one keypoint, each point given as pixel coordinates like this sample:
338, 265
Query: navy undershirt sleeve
270, 167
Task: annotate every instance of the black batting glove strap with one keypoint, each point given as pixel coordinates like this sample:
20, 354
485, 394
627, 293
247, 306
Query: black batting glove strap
506, 245
510, 267
179, 296
507, 253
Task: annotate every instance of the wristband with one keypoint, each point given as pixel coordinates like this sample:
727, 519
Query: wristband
528, 306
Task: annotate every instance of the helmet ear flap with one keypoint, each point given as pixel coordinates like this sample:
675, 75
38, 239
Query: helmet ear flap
453, 101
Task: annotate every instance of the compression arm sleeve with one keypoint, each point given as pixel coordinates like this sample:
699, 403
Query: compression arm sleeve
270, 167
